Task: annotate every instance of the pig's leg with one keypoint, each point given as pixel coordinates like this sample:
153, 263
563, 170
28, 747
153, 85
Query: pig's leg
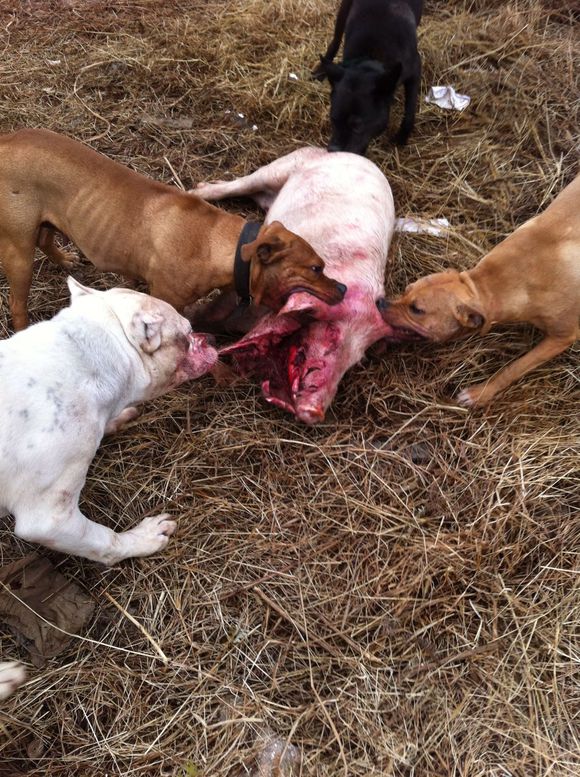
263, 185
56, 522
119, 422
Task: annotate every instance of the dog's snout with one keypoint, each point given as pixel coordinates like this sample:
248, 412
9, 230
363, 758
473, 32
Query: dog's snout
341, 288
383, 303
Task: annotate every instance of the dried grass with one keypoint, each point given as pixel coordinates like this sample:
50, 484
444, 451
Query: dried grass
396, 591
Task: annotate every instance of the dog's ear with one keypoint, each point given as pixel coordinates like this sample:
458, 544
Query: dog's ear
150, 331
469, 317
77, 289
267, 247
386, 83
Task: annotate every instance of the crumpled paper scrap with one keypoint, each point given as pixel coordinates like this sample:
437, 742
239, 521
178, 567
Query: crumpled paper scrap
33, 592
446, 97
422, 226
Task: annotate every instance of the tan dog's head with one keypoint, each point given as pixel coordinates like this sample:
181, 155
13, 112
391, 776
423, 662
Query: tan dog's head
438, 307
282, 263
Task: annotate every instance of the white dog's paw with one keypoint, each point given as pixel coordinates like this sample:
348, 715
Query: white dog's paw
151, 535
12, 675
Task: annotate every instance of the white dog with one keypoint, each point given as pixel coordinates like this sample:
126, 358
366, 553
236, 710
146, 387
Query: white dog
342, 205
65, 383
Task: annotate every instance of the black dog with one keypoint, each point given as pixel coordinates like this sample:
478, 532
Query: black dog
380, 52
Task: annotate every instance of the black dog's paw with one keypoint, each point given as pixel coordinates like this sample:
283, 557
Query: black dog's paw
319, 72
402, 137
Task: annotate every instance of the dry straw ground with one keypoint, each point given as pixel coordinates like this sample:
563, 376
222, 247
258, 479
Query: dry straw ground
396, 591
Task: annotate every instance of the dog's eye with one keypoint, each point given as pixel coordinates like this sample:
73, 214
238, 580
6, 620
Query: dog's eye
414, 308
316, 268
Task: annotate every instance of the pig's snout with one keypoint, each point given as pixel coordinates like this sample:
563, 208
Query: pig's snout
311, 415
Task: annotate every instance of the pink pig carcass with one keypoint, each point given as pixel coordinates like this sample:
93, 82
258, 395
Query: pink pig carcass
342, 205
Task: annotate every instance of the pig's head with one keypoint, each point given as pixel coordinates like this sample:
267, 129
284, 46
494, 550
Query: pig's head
282, 264
161, 338
360, 102
300, 360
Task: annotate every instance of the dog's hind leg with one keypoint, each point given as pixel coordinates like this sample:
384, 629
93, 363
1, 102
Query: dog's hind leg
263, 185
47, 245
17, 262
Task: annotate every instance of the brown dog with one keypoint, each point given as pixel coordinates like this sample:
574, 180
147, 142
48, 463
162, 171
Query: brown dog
123, 222
533, 276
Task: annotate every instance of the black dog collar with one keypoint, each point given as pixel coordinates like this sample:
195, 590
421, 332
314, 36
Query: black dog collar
242, 269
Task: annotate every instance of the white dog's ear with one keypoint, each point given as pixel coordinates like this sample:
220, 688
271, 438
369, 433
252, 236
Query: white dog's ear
151, 332
77, 289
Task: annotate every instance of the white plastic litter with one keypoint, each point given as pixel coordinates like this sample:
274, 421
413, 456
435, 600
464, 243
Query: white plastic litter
422, 226
446, 97
293, 76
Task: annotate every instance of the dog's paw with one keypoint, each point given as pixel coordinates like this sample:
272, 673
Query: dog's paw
475, 396
151, 535
12, 675
68, 261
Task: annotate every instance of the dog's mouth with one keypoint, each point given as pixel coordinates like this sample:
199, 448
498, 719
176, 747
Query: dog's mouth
328, 299
405, 333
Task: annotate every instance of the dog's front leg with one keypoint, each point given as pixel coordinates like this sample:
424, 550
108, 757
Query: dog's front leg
411, 95
482, 393
58, 523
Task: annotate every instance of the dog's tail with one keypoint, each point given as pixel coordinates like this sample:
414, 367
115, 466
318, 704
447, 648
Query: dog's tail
319, 73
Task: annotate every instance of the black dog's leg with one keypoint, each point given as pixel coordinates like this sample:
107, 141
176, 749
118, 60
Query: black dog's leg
334, 45
411, 94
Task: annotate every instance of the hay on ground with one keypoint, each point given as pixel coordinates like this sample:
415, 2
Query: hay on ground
394, 592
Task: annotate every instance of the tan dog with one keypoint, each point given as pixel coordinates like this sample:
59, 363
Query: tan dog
533, 276
123, 222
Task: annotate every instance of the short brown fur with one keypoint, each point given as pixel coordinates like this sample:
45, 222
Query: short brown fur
532, 276
124, 222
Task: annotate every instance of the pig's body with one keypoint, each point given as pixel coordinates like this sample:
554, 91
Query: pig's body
342, 204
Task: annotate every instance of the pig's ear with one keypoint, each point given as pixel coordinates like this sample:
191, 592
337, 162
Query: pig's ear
469, 317
77, 289
149, 328
387, 82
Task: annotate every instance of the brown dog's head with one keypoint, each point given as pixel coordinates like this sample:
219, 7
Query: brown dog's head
438, 307
284, 263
